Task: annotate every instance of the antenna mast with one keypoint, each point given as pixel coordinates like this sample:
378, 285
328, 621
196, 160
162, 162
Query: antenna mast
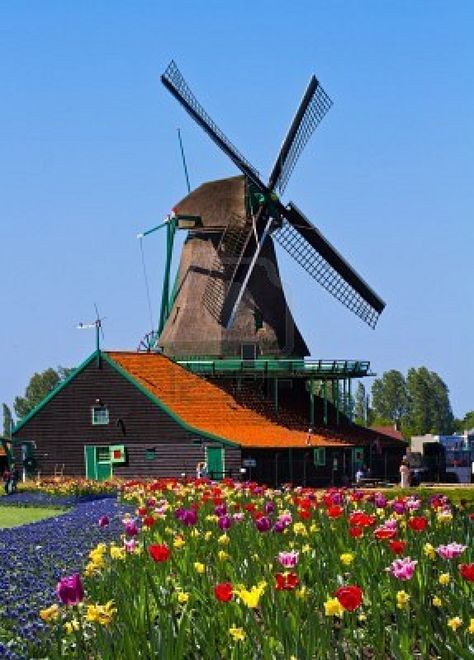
184, 160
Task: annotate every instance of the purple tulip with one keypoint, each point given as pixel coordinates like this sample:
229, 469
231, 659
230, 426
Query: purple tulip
131, 528
103, 521
380, 501
269, 507
263, 524
398, 507
220, 510
224, 522
187, 516
279, 526
70, 590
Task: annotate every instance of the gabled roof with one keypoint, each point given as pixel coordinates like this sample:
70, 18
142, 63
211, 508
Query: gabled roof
203, 407
391, 431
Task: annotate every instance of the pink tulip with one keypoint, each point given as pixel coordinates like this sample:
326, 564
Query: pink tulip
402, 569
103, 521
288, 559
450, 551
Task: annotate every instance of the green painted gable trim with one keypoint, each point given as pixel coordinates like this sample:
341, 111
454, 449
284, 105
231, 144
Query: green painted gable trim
154, 399
53, 393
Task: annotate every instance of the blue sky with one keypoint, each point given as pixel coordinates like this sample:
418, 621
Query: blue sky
90, 157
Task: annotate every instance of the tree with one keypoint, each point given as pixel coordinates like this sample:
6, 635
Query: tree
389, 397
40, 385
360, 404
7, 420
464, 424
429, 409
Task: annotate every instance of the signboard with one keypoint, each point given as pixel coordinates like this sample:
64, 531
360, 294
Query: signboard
117, 454
249, 462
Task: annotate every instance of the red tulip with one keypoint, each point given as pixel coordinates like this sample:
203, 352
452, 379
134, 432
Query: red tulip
148, 521
360, 519
384, 533
286, 581
223, 592
350, 597
356, 532
158, 553
417, 523
398, 547
467, 571
335, 511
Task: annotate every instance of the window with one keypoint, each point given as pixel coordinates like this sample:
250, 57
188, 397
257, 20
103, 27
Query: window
320, 456
258, 320
100, 415
103, 454
249, 351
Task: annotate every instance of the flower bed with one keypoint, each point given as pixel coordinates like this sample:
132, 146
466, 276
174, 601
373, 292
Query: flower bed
72, 487
32, 560
236, 571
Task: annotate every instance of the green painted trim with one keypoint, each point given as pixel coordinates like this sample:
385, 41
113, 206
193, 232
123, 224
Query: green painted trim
154, 399
53, 393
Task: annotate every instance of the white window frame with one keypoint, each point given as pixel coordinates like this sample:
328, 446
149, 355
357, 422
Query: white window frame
95, 421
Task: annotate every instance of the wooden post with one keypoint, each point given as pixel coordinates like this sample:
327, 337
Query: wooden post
325, 409
311, 403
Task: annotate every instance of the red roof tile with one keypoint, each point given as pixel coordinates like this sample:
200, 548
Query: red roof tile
206, 407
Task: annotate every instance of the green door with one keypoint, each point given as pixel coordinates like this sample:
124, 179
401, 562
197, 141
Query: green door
98, 463
215, 462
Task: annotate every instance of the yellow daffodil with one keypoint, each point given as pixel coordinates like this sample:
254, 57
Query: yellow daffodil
195, 532
454, 623
301, 593
347, 558
299, 529
444, 579
332, 607
444, 517
222, 555
101, 614
402, 599
71, 626
179, 542
117, 553
223, 539
250, 597
183, 597
362, 617
50, 613
306, 548
313, 528
470, 629
207, 536
198, 567
429, 551
437, 602
237, 634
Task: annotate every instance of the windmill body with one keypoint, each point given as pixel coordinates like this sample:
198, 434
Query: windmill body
263, 322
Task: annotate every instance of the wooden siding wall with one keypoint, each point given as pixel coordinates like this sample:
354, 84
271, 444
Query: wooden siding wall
64, 426
273, 466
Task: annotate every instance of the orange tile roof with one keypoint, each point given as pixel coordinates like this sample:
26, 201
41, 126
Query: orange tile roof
206, 407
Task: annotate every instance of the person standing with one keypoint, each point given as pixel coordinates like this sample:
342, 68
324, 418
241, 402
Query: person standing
404, 474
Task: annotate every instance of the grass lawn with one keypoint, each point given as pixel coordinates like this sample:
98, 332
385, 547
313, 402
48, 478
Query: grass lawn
13, 516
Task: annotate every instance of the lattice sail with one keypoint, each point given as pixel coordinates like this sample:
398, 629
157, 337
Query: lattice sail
317, 266
174, 81
316, 110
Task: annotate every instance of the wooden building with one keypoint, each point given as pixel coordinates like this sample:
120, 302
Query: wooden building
130, 414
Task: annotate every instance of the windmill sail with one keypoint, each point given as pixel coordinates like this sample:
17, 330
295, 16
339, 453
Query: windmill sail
323, 262
314, 105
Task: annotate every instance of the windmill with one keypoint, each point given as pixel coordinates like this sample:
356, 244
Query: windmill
228, 293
